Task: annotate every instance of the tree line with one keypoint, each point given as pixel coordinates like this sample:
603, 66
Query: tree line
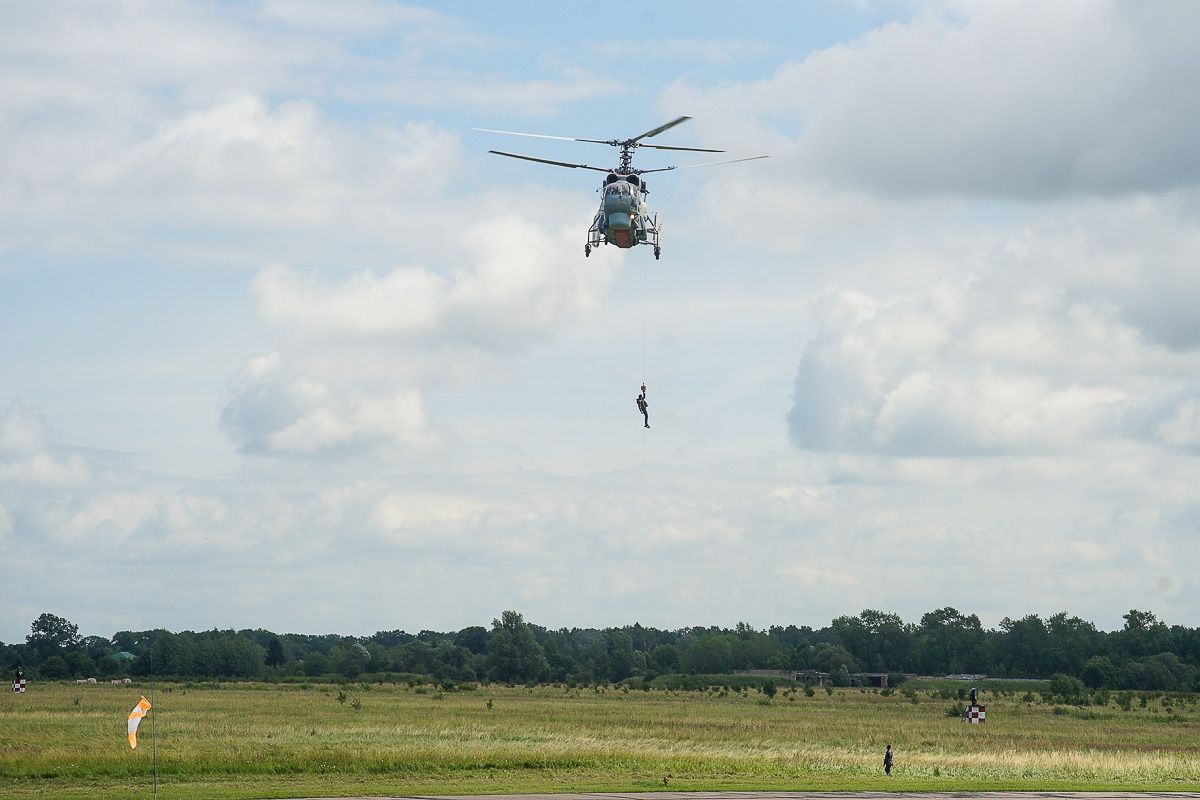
1144, 654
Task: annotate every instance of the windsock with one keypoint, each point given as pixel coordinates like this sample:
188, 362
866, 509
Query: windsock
135, 719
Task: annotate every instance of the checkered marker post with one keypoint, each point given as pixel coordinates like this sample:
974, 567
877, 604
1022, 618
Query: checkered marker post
975, 714
18, 686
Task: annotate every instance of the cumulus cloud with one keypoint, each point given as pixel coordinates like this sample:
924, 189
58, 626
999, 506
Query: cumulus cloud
28, 452
517, 283
1017, 100
138, 121
1029, 350
273, 411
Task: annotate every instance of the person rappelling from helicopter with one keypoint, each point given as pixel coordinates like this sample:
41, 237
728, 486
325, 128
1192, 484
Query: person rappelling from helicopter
643, 406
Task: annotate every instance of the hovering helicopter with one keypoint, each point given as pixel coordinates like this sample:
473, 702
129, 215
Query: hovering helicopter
623, 218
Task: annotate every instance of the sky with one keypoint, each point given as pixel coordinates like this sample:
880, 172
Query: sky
283, 346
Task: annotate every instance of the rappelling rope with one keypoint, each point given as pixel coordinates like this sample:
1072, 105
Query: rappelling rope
645, 295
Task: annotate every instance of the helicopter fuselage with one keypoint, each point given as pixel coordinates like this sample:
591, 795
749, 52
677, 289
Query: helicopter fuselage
623, 218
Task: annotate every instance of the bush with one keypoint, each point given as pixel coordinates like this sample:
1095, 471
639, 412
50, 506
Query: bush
1064, 688
956, 709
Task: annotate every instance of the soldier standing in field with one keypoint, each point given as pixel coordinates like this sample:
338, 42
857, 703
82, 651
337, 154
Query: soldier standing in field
887, 761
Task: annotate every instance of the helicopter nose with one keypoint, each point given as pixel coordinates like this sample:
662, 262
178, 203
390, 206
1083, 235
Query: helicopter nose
619, 221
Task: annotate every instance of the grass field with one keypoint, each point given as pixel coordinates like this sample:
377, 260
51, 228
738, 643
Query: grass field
269, 741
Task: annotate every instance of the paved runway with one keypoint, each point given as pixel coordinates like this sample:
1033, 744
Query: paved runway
842, 796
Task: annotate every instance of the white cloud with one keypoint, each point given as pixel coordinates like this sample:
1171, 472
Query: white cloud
976, 236
1182, 428
1002, 100
518, 283
276, 412
912, 377
23, 431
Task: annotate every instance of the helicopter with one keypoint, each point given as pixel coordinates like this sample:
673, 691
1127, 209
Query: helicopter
623, 218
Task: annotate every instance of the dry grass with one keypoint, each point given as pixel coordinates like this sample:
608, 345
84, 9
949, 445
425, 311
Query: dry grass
260, 741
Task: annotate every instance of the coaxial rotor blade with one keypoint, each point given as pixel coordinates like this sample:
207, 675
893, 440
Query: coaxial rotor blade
660, 129
534, 135
709, 164
669, 147
548, 161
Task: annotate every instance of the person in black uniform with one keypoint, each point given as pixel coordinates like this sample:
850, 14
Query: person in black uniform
643, 405
887, 761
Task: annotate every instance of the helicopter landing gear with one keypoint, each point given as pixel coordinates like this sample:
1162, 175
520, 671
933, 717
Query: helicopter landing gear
587, 250
657, 252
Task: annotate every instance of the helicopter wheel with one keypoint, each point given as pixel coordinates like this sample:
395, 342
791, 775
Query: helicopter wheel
657, 252
587, 250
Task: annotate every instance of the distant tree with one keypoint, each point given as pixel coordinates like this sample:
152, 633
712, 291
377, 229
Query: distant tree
55, 668
316, 664
474, 638
620, 655
1072, 642
514, 656
107, 666
275, 655
665, 659
840, 677
169, 654
80, 665
708, 655
828, 658
561, 664
126, 642
1100, 673
875, 639
1164, 672
51, 635
951, 641
1143, 635
1020, 645
96, 646
355, 661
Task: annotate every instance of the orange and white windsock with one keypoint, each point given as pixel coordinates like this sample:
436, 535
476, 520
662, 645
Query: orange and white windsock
135, 719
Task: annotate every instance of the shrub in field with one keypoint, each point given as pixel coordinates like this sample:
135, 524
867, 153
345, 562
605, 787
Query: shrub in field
956, 710
1064, 688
